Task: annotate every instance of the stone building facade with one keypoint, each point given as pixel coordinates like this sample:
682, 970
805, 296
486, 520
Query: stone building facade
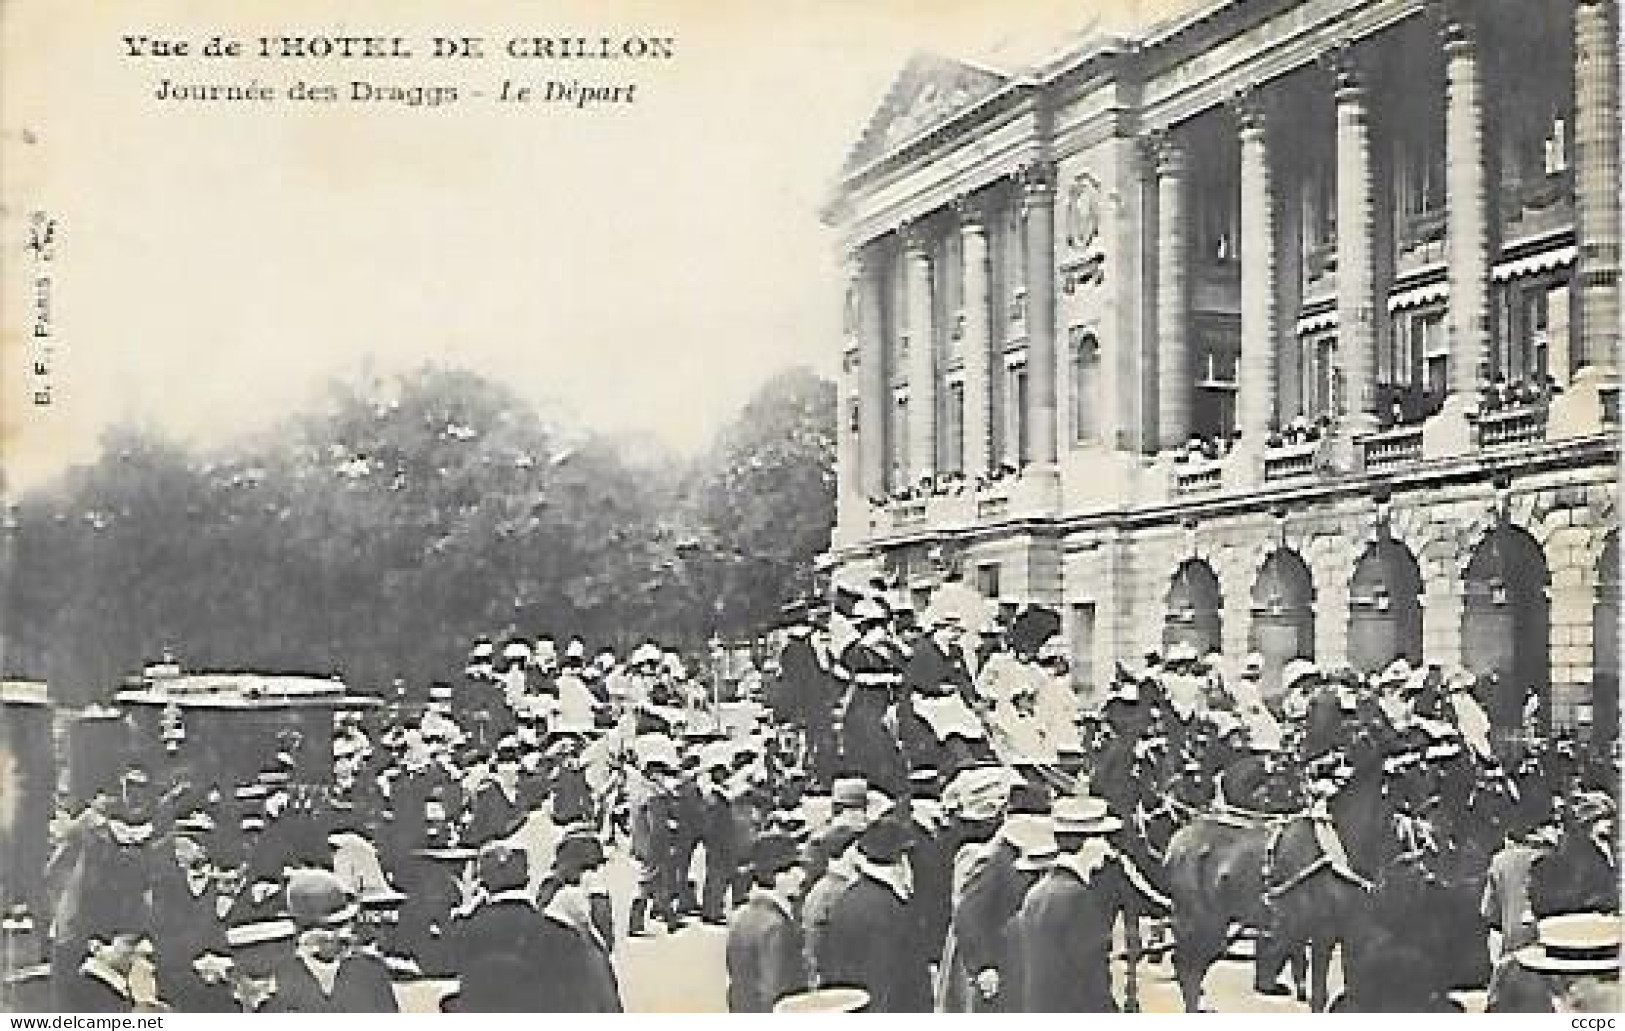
1285, 325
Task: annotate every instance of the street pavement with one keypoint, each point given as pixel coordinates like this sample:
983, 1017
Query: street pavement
685, 971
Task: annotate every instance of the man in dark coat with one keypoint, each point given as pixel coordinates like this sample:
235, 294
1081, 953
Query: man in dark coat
1063, 933
574, 955
764, 955
497, 946
688, 816
186, 927
718, 831
497, 809
322, 974
808, 692
870, 942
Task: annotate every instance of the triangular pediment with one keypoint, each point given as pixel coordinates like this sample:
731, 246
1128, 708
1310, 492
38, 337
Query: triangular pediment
929, 91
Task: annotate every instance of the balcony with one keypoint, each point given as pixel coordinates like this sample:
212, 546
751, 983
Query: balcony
993, 505
906, 514
1196, 477
1388, 448
1289, 461
1511, 426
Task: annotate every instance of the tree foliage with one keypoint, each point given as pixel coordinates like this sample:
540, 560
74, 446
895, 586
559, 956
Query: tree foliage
375, 534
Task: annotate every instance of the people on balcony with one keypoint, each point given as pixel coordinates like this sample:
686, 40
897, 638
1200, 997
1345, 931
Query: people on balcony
1521, 393
1406, 404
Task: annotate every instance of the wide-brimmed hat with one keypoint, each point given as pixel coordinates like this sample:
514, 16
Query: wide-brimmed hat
824, 1000
870, 610
317, 898
979, 793
1590, 806
1296, 670
849, 793
1395, 673
773, 854
1084, 814
1575, 943
1182, 652
1033, 837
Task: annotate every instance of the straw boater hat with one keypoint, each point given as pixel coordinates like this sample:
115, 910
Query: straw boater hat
1394, 674
1296, 670
1182, 653
1084, 815
824, 1000
1575, 943
1034, 839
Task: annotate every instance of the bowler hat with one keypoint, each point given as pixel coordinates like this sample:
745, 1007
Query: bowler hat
885, 841
316, 898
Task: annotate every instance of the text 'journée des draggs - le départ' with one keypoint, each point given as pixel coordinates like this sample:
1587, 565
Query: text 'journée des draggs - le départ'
577, 60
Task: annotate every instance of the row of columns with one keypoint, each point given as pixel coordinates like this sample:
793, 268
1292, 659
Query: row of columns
1469, 250
869, 274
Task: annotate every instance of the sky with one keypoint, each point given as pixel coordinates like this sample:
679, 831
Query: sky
640, 268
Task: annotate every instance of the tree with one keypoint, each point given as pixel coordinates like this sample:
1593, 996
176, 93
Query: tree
765, 499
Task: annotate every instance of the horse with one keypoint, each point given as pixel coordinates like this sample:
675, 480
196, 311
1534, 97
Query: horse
1273, 874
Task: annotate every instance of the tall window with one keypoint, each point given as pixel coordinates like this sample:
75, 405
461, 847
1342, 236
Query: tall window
953, 457
1016, 416
1015, 263
899, 436
1319, 364
987, 579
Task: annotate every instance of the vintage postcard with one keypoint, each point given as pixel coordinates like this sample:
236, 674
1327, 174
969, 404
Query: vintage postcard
809, 506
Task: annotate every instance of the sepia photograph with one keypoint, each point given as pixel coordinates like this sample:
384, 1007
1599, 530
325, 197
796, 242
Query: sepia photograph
810, 507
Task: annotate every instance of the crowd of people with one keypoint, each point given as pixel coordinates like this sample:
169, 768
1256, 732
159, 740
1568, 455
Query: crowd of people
921, 815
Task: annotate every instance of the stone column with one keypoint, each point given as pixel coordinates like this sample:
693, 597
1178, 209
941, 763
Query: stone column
850, 506
922, 360
1255, 402
1174, 385
872, 400
1038, 201
1468, 243
1596, 178
1356, 253
978, 342
1595, 357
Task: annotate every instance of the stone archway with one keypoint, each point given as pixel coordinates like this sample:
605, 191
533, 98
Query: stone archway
1385, 608
1194, 603
1506, 629
1283, 624
1605, 646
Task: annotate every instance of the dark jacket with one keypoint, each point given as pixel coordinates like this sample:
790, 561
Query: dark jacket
868, 747
492, 816
363, 986
764, 957
1063, 936
867, 944
496, 950
577, 974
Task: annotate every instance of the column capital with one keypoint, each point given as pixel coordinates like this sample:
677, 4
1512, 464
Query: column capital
1250, 108
1037, 182
1350, 72
914, 237
971, 210
1164, 153
1458, 26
